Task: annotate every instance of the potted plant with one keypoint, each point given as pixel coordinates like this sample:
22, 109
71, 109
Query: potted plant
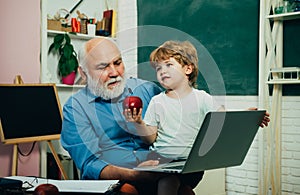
67, 63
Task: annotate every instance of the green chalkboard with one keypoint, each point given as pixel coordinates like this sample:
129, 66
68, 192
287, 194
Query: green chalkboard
228, 30
291, 52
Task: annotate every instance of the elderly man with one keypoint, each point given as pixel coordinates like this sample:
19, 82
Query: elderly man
95, 133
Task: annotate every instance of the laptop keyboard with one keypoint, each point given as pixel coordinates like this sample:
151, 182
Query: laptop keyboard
174, 167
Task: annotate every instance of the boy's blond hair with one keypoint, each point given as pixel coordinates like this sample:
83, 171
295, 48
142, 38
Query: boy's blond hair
183, 52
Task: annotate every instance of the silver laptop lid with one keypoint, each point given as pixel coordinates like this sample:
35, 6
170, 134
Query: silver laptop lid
224, 139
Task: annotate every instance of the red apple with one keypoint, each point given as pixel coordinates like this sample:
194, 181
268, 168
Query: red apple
133, 102
46, 189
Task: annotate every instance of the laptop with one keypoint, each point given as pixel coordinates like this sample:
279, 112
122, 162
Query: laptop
223, 141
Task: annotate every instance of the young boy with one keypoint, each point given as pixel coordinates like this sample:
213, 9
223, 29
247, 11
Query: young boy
174, 117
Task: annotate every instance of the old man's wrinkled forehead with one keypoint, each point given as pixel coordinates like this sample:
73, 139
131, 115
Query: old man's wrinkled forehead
99, 50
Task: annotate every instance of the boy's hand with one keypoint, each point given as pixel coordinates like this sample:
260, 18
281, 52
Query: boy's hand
133, 116
266, 119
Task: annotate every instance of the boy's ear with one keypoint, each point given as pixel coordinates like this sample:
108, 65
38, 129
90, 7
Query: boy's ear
189, 69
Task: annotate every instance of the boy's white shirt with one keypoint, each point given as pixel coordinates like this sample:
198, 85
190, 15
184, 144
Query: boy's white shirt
178, 121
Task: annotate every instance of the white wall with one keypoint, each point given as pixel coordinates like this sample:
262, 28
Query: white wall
291, 145
244, 179
127, 34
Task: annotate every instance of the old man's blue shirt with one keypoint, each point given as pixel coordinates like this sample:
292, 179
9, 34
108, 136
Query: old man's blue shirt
95, 133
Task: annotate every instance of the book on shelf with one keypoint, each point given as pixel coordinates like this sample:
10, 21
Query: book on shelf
107, 26
114, 24
107, 16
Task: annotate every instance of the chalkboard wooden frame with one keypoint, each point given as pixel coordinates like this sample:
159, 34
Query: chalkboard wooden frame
22, 114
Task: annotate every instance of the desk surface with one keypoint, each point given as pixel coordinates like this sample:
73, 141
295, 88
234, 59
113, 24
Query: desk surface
80, 187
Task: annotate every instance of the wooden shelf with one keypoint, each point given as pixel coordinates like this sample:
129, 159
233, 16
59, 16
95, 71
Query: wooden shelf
282, 81
284, 75
69, 86
285, 16
71, 34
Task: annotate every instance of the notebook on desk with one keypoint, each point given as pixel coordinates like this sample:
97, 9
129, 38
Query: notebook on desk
223, 140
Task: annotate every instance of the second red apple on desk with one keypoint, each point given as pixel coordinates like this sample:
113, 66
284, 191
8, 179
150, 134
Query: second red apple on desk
46, 189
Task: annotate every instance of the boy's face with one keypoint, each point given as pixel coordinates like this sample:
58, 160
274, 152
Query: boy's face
170, 73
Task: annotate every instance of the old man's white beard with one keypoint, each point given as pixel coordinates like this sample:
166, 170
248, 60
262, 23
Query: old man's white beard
101, 89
